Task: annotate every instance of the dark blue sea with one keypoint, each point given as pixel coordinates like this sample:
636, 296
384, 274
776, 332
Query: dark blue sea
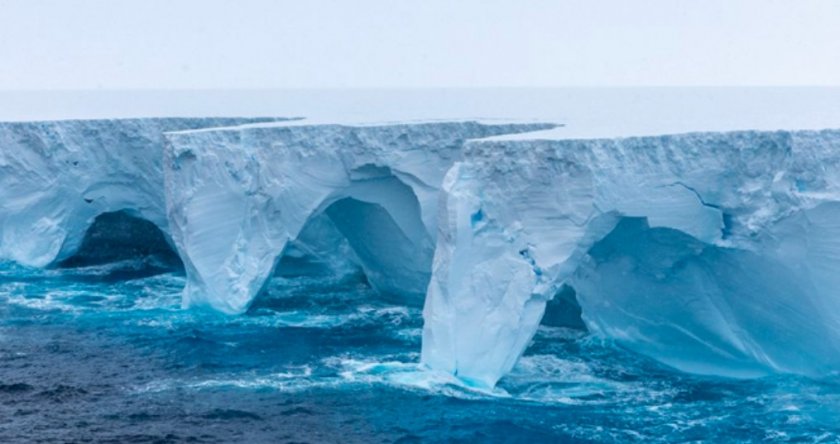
106, 354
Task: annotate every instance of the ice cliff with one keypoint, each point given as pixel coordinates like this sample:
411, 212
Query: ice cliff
711, 252
238, 196
715, 253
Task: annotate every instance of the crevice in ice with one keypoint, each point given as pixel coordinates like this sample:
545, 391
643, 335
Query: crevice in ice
727, 220
122, 237
696, 193
728, 224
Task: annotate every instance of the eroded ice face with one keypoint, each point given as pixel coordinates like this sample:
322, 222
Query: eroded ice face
727, 272
711, 252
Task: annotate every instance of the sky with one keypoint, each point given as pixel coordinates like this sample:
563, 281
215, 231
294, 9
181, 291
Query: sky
261, 44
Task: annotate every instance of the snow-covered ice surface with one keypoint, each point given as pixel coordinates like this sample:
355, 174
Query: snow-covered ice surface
585, 112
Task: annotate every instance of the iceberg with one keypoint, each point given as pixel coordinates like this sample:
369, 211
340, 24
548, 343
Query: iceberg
56, 177
715, 253
238, 196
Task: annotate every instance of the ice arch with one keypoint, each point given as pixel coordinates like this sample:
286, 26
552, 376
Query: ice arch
378, 217
391, 243
522, 218
57, 177
236, 197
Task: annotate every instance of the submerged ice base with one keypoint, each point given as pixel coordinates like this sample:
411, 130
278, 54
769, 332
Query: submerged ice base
727, 266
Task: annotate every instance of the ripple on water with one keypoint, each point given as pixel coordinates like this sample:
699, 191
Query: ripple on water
64, 335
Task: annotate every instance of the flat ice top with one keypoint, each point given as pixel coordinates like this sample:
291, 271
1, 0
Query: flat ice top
585, 112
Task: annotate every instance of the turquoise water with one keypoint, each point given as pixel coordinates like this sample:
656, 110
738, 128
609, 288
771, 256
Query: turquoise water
106, 354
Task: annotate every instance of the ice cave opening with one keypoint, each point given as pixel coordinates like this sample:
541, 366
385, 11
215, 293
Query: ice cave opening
563, 310
699, 307
371, 234
122, 237
390, 258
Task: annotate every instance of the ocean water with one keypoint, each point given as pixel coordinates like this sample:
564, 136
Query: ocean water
106, 354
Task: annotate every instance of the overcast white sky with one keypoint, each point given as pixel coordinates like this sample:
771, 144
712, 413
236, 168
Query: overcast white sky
118, 44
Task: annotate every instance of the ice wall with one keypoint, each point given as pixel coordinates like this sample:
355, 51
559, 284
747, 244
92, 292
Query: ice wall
57, 176
236, 197
712, 252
